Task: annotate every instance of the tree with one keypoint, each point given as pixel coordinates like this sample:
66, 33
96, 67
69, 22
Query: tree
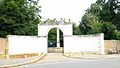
90, 24
109, 30
94, 9
52, 37
102, 16
110, 12
19, 17
117, 36
76, 29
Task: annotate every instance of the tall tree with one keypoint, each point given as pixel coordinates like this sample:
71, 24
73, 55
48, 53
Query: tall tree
110, 12
90, 23
109, 30
52, 37
19, 17
76, 29
102, 16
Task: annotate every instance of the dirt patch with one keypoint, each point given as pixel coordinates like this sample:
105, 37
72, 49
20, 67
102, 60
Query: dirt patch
112, 46
3, 45
19, 56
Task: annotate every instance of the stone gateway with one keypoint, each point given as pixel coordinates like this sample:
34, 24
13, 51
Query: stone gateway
72, 43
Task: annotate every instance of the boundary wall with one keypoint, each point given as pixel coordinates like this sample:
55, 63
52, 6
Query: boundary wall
84, 44
26, 44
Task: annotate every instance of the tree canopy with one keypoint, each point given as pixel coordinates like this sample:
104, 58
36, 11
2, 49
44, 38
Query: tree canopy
19, 17
102, 17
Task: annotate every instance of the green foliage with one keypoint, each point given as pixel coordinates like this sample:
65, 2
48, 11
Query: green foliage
19, 17
109, 30
117, 36
110, 12
90, 24
76, 30
52, 37
102, 16
94, 9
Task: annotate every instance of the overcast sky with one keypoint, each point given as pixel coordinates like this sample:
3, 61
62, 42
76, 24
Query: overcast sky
68, 9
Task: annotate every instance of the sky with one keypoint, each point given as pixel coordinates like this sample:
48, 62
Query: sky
68, 9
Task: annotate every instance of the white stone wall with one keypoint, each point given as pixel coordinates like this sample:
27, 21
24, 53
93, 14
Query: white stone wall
84, 43
72, 43
43, 30
26, 44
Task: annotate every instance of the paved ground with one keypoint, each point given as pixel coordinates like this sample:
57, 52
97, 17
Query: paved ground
101, 63
15, 61
57, 60
56, 57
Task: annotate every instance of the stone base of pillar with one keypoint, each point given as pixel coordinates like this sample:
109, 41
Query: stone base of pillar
8, 57
58, 47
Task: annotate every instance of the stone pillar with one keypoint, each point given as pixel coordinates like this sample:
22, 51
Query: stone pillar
101, 46
58, 39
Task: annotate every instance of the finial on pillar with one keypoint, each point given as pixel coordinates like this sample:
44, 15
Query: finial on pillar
55, 19
69, 20
61, 19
